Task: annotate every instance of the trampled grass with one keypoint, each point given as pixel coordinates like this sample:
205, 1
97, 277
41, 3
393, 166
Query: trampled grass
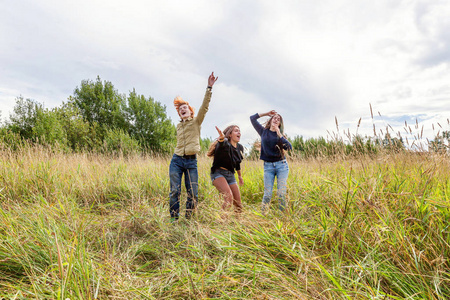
85, 226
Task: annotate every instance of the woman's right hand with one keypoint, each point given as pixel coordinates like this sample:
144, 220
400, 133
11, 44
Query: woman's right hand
269, 113
221, 136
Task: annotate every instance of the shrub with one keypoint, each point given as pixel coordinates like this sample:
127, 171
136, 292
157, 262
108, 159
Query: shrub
118, 142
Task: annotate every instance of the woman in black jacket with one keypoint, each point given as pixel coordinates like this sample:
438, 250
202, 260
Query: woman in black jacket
228, 154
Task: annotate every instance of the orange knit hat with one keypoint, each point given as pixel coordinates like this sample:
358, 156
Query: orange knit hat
178, 101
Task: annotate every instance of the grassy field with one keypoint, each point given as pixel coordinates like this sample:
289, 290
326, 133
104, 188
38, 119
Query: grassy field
94, 227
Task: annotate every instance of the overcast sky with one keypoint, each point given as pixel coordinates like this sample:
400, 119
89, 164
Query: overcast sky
311, 61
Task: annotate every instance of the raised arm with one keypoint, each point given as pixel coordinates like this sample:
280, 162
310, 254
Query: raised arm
254, 119
269, 113
205, 105
221, 141
221, 136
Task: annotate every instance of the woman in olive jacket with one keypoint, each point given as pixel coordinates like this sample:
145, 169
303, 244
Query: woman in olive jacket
184, 160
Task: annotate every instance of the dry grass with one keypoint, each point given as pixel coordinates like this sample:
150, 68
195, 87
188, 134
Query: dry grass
85, 226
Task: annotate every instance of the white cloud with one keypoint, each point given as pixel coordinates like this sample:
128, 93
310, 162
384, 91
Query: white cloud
311, 61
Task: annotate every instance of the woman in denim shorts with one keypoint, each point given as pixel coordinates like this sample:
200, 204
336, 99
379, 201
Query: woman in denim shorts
227, 154
273, 145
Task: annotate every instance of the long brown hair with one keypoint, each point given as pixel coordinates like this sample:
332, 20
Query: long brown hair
227, 133
281, 126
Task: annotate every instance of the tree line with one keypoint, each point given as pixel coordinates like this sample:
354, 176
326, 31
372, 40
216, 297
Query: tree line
98, 118
337, 147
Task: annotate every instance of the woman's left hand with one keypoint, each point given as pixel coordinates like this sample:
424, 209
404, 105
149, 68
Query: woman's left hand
241, 180
277, 130
212, 79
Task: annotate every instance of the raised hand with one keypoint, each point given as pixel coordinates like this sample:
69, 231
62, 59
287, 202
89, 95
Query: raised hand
269, 113
221, 136
272, 113
212, 80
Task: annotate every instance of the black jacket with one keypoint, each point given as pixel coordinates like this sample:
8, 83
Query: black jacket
227, 156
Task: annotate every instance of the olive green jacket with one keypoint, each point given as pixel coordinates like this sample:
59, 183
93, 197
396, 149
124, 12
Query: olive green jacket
188, 131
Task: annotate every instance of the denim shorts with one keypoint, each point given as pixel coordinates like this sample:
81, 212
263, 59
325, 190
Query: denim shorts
228, 175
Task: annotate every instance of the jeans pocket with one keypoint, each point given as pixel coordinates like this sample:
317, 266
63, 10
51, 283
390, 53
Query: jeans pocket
192, 164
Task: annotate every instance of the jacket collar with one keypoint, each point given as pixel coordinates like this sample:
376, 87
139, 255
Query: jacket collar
188, 119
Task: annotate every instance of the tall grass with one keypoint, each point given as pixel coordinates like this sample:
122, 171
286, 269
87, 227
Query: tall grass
87, 226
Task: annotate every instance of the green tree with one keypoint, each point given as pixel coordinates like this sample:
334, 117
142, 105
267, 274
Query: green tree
31, 121
255, 150
205, 143
119, 142
48, 129
24, 117
143, 119
97, 117
99, 102
298, 143
10, 140
148, 123
80, 134
440, 142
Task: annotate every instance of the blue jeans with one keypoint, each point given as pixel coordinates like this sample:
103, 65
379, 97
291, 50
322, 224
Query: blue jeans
179, 166
279, 169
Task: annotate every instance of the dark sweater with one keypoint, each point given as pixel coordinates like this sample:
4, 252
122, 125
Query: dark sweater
271, 144
227, 156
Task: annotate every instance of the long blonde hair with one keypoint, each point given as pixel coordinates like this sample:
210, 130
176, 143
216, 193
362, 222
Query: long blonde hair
227, 133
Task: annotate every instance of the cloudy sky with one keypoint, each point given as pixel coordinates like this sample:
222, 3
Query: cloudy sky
312, 61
